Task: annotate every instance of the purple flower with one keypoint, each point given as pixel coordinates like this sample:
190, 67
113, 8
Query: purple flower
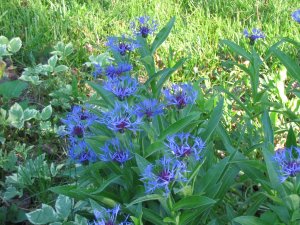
161, 175
114, 151
115, 71
184, 145
122, 87
149, 108
121, 118
180, 95
77, 128
143, 26
256, 34
108, 217
122, 44
296, 15
97, 70
288, 160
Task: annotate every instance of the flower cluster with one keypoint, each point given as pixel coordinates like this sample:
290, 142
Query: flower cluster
296, 15
288, 160
256, 34
122, 45
77, 128
149, 108
143, 26
180, 95
112, 71
108, 217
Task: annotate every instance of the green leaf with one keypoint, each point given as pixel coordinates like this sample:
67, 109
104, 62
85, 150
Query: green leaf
52, 61
105, 95
46, 112
249, 220
106, 183
214, 120
145, 199
42, 216
291, 138
152, 217
35, 80
267, 126
3, 40
178, 126
162, 35
16, 116
191, 202
80, 220
30, 114
12, 89
293, 202
11, 192
141, 162
236, 48
60, 69
14, 45
63, 206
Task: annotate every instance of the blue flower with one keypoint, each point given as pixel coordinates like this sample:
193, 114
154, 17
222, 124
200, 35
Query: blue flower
296, 15
122, 44
180, 95
256, 34
288, 160
161, 175
114, 151
122, 87
143, 26
121, 118
77, 128
184, 145
115, 71
97, 70
108, 217
149, 108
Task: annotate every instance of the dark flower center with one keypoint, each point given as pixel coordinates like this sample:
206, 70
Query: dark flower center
293, 167
144, 30
165, 176
109, 223
148, 113
119, 156
123, 48
83, 116
181, 101
122, 126
78, 131
186, 151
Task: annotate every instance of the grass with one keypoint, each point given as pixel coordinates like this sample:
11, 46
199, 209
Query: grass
199, 26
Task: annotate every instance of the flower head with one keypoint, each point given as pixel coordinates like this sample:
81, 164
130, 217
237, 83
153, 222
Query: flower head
108, 217
288, 160
122, 87
143, 26
115, 71
256, 34
77, 128
180, 95
121, 118
97, 70
149, 108
184, 145
122, 44
114, 151
296, 15
162, 174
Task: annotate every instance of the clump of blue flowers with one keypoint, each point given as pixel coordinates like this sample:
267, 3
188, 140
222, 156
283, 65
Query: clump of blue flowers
296, 15
122, 45
108, 217
114, 151
143, 26
77, 128
112, 71
256, 34
162, 174
184, 145
180, 95
288, 160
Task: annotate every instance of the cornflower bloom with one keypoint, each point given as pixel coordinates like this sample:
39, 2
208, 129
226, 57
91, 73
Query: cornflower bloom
122, 87
108, 217
162, 174
184, 145
256, 34
122, 44
149, 108
97, 70
77, 124
296, 15
288, 160
143, 26
115, 71
180, 95
121, 118
114, 151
